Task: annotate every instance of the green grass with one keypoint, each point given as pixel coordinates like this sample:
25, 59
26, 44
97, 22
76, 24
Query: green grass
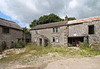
40, 50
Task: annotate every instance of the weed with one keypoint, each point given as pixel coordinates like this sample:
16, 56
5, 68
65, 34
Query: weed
83, 45
20, 44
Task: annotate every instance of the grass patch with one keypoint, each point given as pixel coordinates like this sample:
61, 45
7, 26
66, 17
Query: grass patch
40, 50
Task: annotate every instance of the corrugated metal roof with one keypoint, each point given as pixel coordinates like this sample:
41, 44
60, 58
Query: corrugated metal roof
8, 23
84, 20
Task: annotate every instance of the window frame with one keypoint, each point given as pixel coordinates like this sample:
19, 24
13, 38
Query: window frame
53, 39
53, 30
56, 29
36, 32
35, 40
57, 39
5, 30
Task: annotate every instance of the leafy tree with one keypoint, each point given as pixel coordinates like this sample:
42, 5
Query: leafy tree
26, 30
71, 18
48, 19
34, 23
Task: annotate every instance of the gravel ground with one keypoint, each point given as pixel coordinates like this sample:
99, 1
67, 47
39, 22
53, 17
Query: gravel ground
76, 63
49, 61
69, 63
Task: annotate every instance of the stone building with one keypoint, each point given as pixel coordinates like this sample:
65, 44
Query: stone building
10, 32
54, 34
87, 29
64, 32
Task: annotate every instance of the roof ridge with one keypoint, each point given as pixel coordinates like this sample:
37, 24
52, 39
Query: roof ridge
7, 20
51, 23
8, 23
84, 18
48, 25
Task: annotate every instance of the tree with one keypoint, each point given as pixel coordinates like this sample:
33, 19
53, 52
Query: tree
71, 18
26, 30
34, 23
48, 19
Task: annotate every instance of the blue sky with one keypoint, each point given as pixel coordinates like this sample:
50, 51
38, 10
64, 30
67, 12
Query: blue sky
23, 12
4, 16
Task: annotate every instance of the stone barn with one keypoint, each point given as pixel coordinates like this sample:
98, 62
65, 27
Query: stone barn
10, 32
84, 30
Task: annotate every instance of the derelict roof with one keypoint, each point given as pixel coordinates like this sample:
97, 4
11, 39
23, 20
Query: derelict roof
7, 23
50, 25
84, 20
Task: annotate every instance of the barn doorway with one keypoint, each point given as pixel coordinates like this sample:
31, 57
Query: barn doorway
40, 41
75, 40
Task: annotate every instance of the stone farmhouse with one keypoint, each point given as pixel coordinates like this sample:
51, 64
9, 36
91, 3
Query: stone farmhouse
10, 32
67, 32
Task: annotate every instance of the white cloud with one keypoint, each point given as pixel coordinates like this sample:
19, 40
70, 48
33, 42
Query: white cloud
25, 11
72, 4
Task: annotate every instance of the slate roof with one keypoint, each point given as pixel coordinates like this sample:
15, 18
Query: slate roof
84, 20
50, 25
7, 23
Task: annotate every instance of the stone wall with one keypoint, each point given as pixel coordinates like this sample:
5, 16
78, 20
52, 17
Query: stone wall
48, 33
11, 36
78, 30
82, 30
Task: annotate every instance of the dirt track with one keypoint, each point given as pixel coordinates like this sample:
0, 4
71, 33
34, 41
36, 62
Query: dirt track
49, 62
76, 63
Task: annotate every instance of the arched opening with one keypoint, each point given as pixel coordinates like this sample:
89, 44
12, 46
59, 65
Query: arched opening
46, 42
40, 42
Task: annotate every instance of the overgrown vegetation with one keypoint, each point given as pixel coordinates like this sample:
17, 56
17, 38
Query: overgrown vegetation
3, 46
70, 45
26, 30
19, 44
83, 45
95, 46
40, 50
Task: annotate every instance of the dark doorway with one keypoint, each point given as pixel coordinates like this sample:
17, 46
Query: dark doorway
46, 42
12, 44
28, 40
75, 40
40, 42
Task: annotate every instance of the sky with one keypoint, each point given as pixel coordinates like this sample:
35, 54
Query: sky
23, 12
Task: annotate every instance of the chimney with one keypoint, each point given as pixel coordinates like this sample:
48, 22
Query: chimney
66, 18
